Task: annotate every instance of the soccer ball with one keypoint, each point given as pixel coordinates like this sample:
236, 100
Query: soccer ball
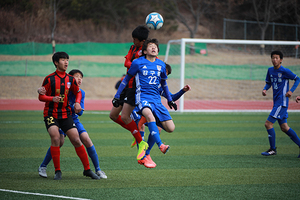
154, 21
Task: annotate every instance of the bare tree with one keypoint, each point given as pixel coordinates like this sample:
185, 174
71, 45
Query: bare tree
54, 8
265, 11
187, 12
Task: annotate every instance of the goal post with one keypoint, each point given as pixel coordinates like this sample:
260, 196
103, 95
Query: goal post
224, 66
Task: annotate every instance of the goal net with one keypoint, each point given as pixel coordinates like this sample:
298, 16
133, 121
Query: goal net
227, 75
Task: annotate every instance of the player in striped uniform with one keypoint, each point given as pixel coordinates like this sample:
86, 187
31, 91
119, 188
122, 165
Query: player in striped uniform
84, 136
58, 113
278, 78
126, 102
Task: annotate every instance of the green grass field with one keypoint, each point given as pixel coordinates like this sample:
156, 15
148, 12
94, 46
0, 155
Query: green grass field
211, 156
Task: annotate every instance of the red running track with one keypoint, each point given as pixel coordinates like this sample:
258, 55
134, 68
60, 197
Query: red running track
105, 105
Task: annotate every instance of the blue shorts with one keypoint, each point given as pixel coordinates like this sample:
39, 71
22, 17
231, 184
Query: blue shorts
278, 113
160, 112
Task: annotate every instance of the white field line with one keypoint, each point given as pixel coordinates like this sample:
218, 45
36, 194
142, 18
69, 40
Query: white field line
39, 194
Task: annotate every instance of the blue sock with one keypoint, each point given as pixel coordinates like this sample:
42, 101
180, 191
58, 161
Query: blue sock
94, 156
154, 132
293, 135
47, 159
151, 142
142, 134
271, 133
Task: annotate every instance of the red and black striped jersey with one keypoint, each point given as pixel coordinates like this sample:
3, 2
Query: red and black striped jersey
132, 54
59, 84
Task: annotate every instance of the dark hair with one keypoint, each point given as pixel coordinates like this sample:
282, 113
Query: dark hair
277, 53
56, 56
148, 41
74, 71
141, 33
169, 68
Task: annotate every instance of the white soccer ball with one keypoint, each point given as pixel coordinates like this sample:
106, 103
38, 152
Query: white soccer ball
154, 21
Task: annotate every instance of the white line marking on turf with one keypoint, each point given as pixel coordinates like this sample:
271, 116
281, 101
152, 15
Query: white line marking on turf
39, 194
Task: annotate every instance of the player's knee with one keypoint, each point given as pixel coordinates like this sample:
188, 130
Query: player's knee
170, 129
126, 119
284, 128
76, 142
113, 117
268, 125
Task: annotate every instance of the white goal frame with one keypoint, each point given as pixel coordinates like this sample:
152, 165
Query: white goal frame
183, 42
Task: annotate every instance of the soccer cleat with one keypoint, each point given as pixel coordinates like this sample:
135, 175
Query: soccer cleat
101, 174
150, 160
164, 148
57, 175
42, 172
143, 146
133, 143
146, 162
269, 152
90, 173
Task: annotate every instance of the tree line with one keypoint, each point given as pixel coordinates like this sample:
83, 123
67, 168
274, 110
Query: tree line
113, 20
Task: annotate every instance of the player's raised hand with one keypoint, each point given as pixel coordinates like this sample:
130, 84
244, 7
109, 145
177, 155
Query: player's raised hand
116, 102
298, 99
186, 88
172, 104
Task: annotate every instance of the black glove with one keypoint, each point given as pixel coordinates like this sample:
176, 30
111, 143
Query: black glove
172, 104
116, 102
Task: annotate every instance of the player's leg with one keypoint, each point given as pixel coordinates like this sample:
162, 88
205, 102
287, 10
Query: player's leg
70, 129
84, 137
290, 132
168, 125
126, 111
116, 117
55, 150
163, 120
48, 157
154, 132
272, 118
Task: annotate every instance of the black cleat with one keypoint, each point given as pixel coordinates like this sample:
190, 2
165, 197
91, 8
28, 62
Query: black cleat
57, 175
91, 174
269, 152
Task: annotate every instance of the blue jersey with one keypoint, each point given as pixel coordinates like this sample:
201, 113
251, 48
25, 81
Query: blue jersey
72, 102
78, 124
279, 79
148, 76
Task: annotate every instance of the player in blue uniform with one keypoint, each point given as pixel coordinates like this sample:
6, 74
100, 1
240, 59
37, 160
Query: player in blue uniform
150, 72
84, 137
278, 78
140, 120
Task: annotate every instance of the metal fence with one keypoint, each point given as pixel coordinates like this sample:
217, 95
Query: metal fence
250, 30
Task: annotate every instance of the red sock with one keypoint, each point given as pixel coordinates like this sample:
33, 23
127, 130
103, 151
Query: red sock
83, 157
55, 153
132, 127
120, 121
141, 122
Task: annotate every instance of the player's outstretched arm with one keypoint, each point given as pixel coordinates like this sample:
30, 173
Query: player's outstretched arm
171, 103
